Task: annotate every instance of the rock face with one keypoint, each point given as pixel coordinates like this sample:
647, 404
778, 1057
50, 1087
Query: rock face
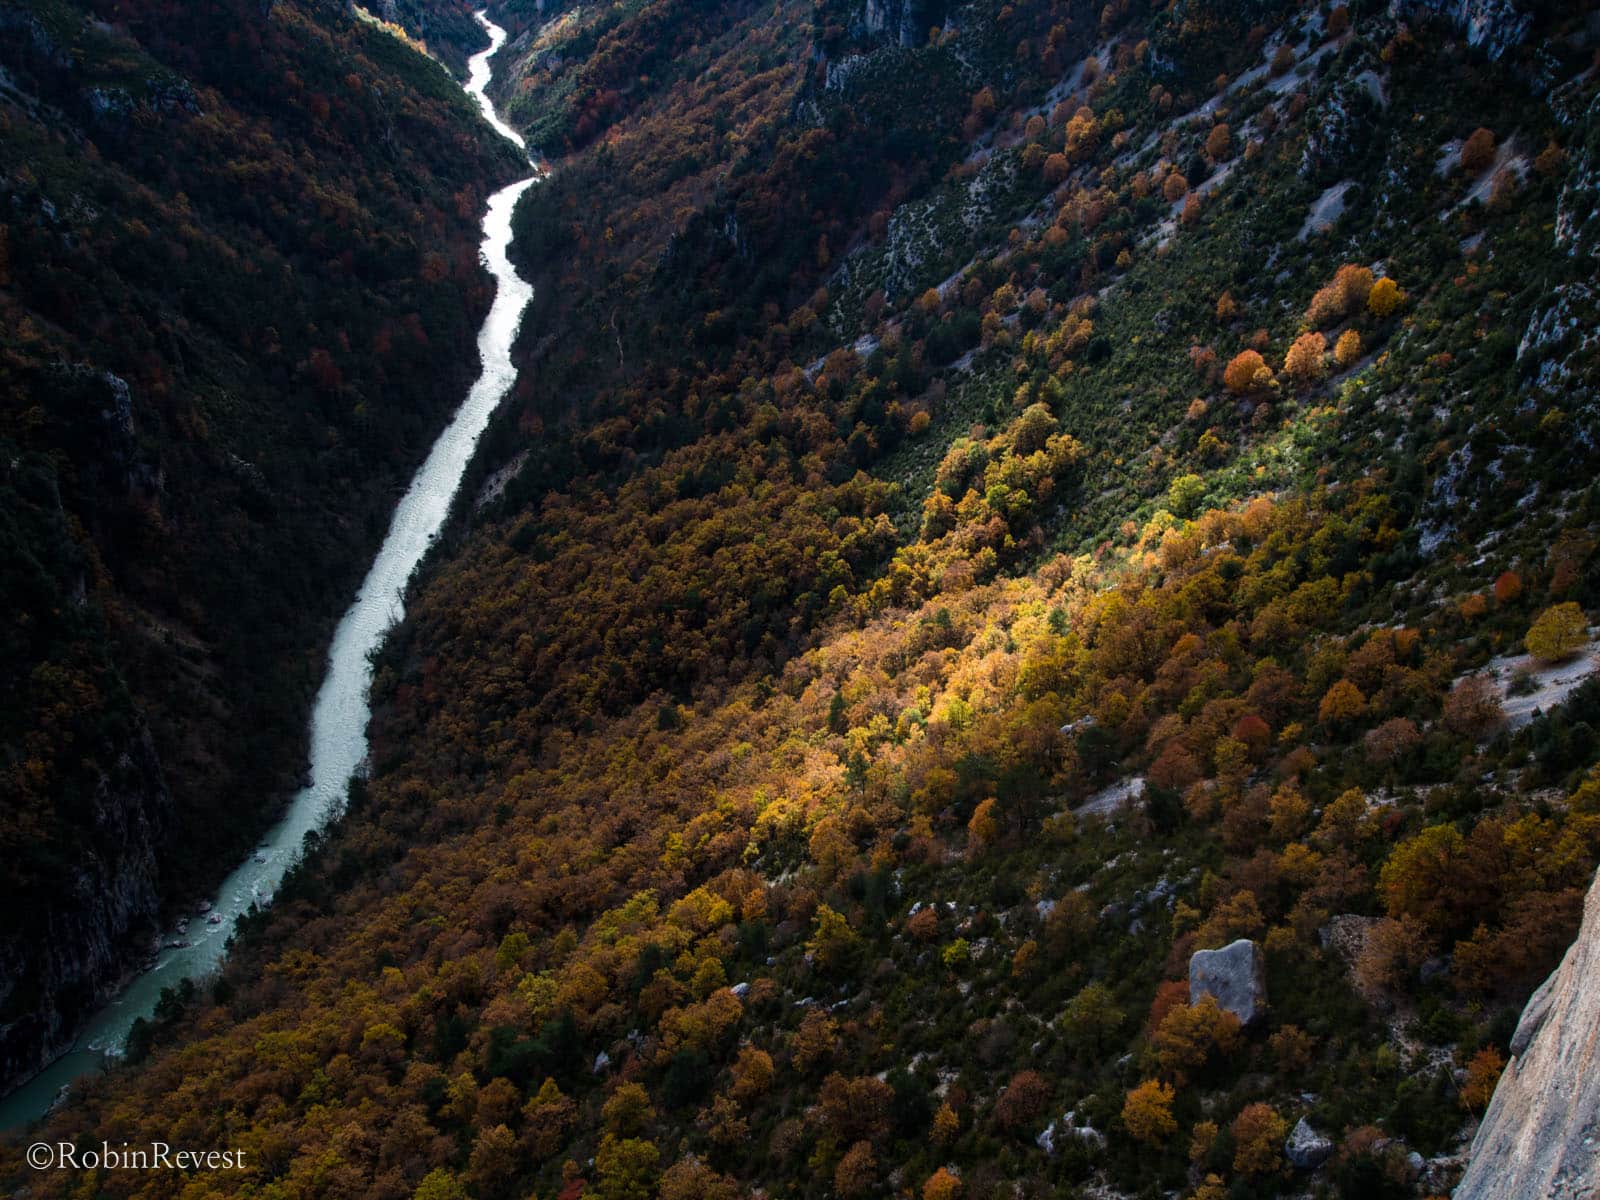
1306, 1149
59, 963
1234, 975
1540, 1139
1493, 26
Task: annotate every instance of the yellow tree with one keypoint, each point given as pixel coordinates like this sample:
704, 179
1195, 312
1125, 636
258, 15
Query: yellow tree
1557, 633
1147, 1112
1258, 1135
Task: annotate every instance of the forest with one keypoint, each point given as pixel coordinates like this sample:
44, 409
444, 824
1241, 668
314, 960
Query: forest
997, 499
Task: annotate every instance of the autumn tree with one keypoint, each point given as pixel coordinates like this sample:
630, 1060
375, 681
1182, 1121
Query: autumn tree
813, 1042
1477, 152
1392, 741
1390, 954
1420, 878
856, 1109
1147, 1112
627, 1110
1557, 633
1347, 350
1473, 708
752, 1074
1174, 188
1219, 143
1384, 298
1483, 1072
942, 1185
492, 1164
1246, 372
1022, 1101
547, 1118
1304, 362
1342, 704
1258, 1135
984, 827
857, 1171
691, 1179
1193, 1034
1345, 295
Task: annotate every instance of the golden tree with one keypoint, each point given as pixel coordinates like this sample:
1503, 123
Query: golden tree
1557, 633
1303, 363
1147, 1112
1258, 1135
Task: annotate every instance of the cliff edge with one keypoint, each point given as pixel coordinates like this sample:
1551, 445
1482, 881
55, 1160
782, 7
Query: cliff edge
1540, 1139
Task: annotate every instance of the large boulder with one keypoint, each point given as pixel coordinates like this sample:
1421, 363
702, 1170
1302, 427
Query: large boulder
1235, 975
1306, 1149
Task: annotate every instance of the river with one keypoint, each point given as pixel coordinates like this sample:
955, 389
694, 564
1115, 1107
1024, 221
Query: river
340, 715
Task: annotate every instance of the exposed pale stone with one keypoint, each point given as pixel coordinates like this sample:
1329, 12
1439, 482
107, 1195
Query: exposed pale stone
1306, 1149
1540, 1139
1235, 975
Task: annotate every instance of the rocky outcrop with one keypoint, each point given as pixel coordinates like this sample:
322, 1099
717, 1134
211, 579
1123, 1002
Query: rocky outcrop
1493, 26
1540, 1139
1306, 1149
1234, 976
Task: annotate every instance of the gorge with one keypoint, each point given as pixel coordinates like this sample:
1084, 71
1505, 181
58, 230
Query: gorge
338, 734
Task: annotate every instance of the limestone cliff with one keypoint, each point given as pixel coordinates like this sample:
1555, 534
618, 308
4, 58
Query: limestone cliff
1493, 26
1540, 1139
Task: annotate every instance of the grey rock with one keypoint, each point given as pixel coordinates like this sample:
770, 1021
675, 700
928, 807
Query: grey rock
1066, 1128
1306, 1149
1234, 975
1540, 1139
1493, 26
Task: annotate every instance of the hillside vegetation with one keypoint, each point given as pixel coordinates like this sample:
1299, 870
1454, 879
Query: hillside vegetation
999, 498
